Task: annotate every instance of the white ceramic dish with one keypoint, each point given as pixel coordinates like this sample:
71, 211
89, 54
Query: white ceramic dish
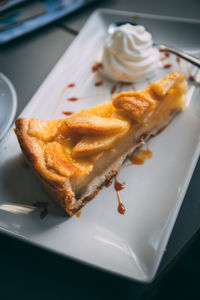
8, 104
131, 245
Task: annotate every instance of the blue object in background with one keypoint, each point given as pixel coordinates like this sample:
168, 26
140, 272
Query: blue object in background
33, 15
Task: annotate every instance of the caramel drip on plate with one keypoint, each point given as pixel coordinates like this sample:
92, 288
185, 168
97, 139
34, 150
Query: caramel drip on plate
167, 66
140, 157
96, 66
163, 58
190, 76
70, 85
78, 213
98, 83
113, 89
118, 187
67, 113
121, 208
166, 56
72, 99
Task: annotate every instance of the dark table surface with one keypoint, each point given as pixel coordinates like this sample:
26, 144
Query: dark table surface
28, 272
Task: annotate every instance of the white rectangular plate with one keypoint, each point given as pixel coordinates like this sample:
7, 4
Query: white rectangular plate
132, 244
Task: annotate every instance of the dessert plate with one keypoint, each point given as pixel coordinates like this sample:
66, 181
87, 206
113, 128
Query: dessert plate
133, 244
8, 104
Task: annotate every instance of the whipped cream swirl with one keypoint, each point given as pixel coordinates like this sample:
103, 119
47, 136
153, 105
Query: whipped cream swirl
128, 54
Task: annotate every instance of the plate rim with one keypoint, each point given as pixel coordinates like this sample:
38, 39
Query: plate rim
155, 16
14, 104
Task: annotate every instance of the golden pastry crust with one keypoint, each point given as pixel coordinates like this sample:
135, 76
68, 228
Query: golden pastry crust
34, 153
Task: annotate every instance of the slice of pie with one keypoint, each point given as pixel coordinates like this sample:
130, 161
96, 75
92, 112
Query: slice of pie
74, 157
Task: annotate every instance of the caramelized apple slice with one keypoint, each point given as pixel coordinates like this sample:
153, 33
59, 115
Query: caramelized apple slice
163, 86
105, 110
137, 105
84, 164
141, 104
58, 160
88, 124
46, 130
89, 146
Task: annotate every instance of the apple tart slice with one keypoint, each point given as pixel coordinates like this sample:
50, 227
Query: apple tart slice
74, 157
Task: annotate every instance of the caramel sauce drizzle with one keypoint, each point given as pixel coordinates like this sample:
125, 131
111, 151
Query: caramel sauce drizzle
96, 69
163, 58
167, 66
67, 113
96, 66
140, 157
178, 59
98, 83
113, 89
119, 186
166, 56
190, 76
72, 99
78, 214
121, 208
70, 85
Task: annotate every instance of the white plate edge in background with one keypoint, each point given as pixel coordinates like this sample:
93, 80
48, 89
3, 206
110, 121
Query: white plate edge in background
14, 104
